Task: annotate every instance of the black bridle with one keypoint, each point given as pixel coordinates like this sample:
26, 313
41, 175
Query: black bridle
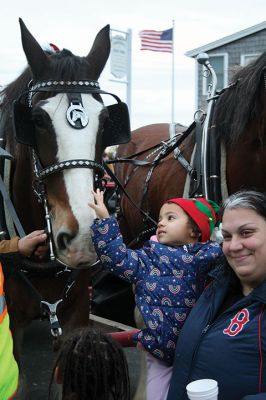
41, 173
78, 119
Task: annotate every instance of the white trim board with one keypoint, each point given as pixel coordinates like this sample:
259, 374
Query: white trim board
226, 39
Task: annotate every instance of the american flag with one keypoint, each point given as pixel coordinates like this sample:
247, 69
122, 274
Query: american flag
157, 40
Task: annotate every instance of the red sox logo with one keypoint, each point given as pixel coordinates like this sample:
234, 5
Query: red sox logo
237, 323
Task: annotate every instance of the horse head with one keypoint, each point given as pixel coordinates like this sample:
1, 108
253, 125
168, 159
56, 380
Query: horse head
63, 119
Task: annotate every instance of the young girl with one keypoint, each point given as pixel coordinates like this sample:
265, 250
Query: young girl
91, 366
168, 275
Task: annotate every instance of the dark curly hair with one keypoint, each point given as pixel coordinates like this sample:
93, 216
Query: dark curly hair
92, 367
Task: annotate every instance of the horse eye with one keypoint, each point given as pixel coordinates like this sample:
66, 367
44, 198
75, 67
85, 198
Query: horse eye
38, 121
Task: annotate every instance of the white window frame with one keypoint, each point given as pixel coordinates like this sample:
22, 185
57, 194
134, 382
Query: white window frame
205, 80
244, 56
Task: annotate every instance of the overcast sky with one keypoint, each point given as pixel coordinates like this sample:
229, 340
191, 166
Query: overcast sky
74, 24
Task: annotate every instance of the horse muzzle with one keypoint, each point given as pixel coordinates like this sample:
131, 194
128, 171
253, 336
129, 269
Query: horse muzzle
75, 251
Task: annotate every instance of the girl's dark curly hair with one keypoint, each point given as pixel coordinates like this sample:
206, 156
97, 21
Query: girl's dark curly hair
92, 367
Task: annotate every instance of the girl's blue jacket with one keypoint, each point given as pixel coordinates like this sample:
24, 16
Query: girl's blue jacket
165, 281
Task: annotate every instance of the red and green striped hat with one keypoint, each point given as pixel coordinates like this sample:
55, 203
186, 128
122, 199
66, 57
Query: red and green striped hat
202, 211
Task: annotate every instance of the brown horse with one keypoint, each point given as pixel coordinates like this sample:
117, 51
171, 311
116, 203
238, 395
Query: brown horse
56, 126
238, 123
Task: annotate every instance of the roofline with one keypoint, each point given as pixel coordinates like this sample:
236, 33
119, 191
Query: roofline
226, 39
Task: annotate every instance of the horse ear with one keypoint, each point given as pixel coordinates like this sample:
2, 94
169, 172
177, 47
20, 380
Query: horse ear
99, 52
38, 61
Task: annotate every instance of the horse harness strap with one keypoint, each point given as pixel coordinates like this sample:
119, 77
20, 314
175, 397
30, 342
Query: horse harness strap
7, 228
56, 330
6, 197
119, 184
48, 308
42, 173
195, 186
166, 150
181, 159
207, 158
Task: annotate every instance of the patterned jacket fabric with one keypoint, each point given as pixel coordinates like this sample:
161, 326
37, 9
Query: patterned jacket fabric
165, 281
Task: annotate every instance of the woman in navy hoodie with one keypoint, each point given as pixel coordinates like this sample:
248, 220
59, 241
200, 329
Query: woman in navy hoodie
224, 337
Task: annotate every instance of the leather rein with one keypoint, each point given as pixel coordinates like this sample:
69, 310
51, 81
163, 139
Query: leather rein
163, 149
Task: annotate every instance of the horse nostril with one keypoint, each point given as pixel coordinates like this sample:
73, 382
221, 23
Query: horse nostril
63, 240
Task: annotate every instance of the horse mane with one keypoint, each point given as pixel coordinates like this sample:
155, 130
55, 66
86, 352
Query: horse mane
14, 89
66, 66
241, 103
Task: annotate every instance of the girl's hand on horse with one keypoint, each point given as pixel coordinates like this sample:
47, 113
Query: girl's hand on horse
99, 206
33, 244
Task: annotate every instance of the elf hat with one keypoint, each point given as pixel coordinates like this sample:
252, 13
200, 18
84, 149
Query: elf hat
202, 211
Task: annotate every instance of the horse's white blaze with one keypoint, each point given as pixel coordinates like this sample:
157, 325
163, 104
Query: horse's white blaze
76, 144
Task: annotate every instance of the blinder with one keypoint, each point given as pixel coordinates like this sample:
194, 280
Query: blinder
22, 124
116, 126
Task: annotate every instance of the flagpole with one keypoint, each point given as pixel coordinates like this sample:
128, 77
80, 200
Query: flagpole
173, 75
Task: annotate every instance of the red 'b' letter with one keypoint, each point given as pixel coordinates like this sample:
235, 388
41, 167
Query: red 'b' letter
237, 323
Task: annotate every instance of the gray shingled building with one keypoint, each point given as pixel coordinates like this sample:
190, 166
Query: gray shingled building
226, 55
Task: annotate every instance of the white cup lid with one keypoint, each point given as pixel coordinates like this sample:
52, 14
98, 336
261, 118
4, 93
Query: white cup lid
202, 386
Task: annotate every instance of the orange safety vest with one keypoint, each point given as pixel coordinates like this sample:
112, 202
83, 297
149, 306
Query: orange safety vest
8, 366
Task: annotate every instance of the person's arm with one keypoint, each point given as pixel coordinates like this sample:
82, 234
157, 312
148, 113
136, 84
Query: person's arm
113, 253
34, 243
109, 245
9, 246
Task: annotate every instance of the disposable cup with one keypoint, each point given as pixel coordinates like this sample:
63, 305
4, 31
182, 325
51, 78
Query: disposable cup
203, 397
203, 389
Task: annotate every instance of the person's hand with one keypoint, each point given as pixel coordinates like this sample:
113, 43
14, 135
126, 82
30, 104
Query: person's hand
33, 244
99, 206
